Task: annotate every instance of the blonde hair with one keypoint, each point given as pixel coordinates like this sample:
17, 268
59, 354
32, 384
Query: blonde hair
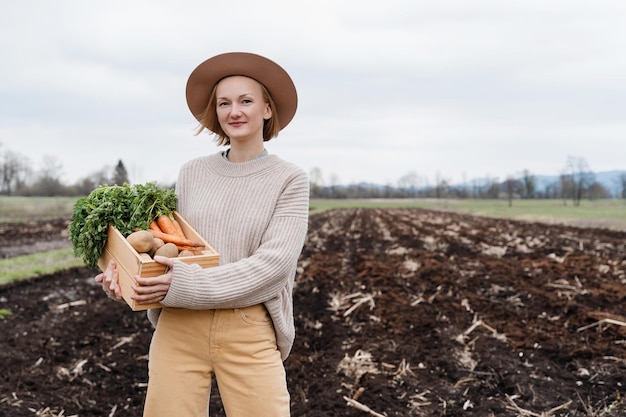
208, 119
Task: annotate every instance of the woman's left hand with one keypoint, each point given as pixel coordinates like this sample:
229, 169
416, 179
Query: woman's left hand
153, 289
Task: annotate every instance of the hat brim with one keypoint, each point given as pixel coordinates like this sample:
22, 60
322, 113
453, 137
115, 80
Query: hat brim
267, 72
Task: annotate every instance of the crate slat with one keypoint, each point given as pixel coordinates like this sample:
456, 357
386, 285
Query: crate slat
130, 264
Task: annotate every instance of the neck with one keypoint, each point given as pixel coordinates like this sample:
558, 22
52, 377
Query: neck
244, 152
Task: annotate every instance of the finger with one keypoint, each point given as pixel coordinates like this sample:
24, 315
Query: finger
116, 288
151, 289
109, 281
108, 285
164, 260
111, 270
152, 281
118, 292
113, 287
149, 298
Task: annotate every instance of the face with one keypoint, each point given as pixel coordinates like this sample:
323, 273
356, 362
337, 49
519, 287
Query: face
241, 109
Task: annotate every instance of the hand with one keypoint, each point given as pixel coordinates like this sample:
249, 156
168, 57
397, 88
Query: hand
110, 282
153, 289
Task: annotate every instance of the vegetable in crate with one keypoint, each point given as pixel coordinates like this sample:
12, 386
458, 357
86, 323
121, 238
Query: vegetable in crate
126, 207
141, 240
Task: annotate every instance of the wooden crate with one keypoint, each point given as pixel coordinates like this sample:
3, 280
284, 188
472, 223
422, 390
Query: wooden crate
130, 264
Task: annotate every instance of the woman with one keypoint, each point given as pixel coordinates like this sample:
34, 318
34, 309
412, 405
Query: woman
234, 321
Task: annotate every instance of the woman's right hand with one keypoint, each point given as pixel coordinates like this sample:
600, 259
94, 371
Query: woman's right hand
110, 282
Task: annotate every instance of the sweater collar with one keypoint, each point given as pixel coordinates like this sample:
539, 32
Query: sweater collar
222, 166
261, 155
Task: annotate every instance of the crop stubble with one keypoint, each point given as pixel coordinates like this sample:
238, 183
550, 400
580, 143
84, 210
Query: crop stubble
399, 312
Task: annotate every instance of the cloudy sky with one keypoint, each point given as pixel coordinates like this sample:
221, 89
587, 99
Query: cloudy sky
445, 89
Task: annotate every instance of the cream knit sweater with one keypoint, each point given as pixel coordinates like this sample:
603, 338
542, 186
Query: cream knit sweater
255, 214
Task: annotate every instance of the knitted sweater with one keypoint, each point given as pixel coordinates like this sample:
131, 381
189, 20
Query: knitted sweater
255, 215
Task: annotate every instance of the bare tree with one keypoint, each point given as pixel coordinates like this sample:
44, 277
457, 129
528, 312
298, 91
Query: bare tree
408, 184
316, 181
441, 186
529, 182
566, 187
493, 191
580, 177
476, 189
48, 183
512, 187
334, 185
13, 172
597, 191
487, 187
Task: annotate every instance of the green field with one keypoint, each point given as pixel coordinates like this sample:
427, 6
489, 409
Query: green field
20, 209
599, 213
602, 213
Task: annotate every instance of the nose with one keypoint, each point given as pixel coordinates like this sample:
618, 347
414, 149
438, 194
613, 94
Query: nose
235, 110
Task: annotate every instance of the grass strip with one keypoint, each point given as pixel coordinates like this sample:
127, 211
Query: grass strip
42, 263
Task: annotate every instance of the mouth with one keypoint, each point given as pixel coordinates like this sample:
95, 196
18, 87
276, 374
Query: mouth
237, 124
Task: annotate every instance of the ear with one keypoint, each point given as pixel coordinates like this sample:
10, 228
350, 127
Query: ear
268, 112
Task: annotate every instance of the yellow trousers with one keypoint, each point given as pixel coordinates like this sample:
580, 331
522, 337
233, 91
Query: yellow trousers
238, 346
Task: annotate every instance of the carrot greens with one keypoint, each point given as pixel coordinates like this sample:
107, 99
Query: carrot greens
127, 207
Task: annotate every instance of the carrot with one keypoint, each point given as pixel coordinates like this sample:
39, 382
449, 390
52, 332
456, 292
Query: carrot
178, 228
154, 226
167, 226
166, 237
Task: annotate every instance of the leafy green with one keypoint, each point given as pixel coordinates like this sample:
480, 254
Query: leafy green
126, 207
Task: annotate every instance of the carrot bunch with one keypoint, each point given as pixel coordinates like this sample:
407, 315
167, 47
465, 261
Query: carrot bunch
169, 231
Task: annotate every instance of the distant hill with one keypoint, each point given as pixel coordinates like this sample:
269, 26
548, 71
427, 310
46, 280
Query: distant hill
611, 180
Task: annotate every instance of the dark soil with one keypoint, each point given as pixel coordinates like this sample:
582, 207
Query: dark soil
399, 312
35, 236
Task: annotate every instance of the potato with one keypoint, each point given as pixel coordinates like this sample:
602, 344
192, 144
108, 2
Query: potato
185, 252
168, 250
141, 240
156, 244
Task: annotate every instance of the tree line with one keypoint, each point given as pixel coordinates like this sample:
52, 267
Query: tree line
18, 178
575, 183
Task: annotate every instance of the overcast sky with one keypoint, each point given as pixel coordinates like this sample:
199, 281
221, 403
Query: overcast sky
445, 89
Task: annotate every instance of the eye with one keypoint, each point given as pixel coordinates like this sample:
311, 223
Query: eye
246, 101
222, 104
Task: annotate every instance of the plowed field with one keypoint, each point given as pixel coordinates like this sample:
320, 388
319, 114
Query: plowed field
399, 312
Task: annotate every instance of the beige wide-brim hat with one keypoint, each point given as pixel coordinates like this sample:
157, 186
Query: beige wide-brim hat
267, 72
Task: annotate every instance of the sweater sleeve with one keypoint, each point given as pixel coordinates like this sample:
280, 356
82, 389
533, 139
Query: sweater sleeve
256, 278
